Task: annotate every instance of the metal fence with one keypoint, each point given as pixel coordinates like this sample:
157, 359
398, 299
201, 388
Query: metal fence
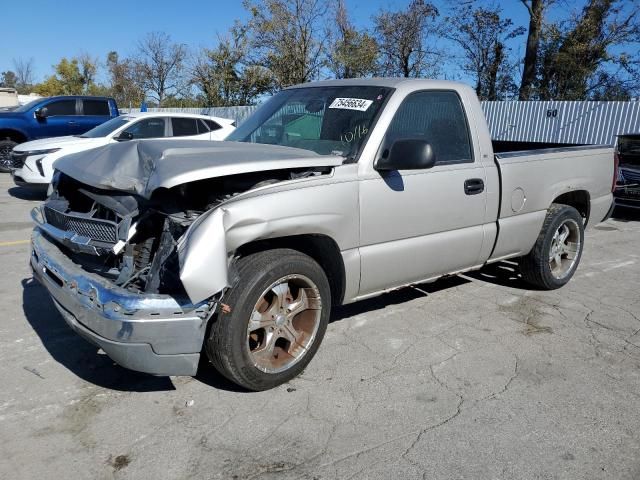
548, 122
561, 122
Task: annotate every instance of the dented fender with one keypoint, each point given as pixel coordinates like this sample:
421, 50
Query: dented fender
321, 207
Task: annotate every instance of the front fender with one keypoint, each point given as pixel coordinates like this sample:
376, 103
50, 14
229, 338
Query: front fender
209, 244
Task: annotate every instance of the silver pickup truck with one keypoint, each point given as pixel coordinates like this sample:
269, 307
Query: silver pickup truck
330, 193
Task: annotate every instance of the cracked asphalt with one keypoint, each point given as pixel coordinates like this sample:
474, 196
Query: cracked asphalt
472, 377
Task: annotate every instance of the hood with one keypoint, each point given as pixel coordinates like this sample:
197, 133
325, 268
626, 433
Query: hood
140, 167
58, 142
8, 114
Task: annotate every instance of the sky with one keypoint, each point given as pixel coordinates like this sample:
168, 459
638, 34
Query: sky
49, 30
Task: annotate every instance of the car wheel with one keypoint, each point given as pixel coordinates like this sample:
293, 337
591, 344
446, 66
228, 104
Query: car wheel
5, 155
272, 321
557, 251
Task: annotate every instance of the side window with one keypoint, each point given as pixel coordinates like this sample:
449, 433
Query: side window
213, 126
147, 128
438, 117
61, 108
96, 107
184, 126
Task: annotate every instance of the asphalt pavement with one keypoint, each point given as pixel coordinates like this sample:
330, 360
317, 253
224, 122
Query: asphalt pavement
472, 377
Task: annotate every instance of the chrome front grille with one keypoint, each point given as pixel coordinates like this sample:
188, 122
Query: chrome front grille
92, 228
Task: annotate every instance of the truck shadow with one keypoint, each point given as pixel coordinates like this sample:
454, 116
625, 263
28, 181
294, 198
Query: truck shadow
23, 193
75, 353
623, 214
395, 297
505, 274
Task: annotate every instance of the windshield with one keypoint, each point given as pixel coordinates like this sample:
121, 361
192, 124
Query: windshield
106, 128
326, 120
28, 106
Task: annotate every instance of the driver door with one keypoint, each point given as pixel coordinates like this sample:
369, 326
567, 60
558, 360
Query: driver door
420, 224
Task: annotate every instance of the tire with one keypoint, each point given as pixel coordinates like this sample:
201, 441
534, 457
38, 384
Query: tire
557, 251
5, 155
251, 340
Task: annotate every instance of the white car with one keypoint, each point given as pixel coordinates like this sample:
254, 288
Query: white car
34, 160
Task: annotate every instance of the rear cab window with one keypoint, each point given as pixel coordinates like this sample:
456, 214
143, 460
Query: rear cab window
183, 127
96, 108
439, 118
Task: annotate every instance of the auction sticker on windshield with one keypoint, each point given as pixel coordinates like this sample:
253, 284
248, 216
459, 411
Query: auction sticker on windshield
351, 104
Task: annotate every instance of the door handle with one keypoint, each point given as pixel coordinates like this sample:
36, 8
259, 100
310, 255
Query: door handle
473, 186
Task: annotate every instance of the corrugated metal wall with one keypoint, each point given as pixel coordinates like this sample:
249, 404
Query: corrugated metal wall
547, 122
561, 122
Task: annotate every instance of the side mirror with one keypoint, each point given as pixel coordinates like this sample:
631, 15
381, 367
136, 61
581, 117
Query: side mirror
124, 136
42, 113
406, 154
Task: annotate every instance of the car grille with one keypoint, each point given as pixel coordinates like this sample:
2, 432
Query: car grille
95, 229
17, 159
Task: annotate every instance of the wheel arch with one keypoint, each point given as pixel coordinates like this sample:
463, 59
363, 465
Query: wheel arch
13, 134
578, 199
320, 247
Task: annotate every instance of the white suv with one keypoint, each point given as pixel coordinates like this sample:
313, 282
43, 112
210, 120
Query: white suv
34, 160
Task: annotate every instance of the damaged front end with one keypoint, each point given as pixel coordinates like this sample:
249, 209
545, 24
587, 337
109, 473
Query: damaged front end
112, 263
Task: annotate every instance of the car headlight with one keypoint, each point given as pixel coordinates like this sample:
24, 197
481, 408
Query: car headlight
33, 153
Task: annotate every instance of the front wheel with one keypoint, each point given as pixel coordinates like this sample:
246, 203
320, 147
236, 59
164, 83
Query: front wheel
272, 321
5, 155
557, 251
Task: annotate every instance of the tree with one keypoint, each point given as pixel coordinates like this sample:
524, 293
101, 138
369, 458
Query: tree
579, 60
9, 79
482, 34
224, 75
352, 53
124, 85
287, 38
406, 40
536, 9
72, 77
87, 67
160, 65
24, 74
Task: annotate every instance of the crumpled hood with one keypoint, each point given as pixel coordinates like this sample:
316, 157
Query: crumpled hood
141, 167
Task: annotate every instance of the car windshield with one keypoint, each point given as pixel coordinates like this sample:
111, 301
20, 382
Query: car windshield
106, 128
28, 106
326, 120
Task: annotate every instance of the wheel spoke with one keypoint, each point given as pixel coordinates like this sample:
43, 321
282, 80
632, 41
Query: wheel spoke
281, 292
260, 320
562, 237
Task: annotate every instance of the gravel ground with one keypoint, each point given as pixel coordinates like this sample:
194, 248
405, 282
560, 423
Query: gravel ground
473, 377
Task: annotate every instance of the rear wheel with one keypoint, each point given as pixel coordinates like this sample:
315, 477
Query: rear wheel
557, 251
272, 321
5, 155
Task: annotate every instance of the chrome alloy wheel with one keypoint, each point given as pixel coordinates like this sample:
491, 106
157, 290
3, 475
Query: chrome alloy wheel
565, 246
284, 323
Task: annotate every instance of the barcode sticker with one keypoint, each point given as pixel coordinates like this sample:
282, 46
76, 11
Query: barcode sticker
351, 104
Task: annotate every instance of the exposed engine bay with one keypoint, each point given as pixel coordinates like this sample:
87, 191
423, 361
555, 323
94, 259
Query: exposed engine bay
132, 240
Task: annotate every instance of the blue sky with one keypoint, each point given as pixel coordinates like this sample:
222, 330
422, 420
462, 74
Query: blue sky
50, 30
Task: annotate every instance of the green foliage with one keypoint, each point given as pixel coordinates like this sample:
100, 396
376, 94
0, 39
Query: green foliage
352, 53
405, 41
482, 35
9, 79
578, 60
287, 39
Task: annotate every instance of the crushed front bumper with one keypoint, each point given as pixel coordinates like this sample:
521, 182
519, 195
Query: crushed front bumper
156, 334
